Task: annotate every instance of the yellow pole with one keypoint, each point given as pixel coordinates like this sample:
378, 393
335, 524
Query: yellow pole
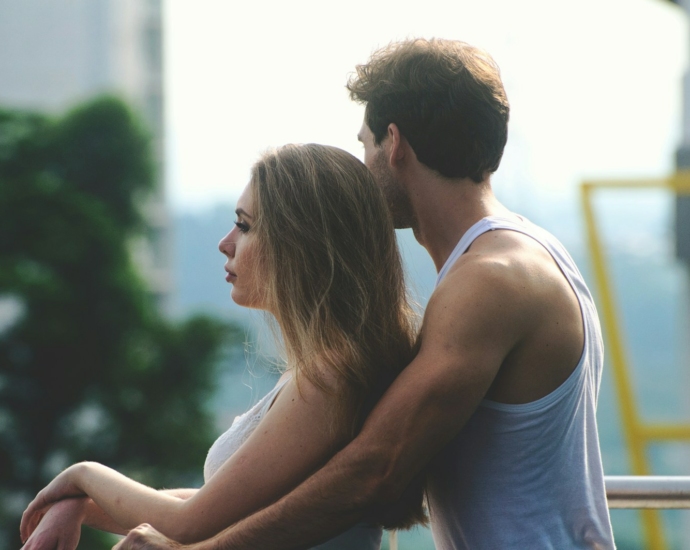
630, 421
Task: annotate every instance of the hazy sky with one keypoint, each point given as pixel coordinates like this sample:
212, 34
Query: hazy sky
594, 85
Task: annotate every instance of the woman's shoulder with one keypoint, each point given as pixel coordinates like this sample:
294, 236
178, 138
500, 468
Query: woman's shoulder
241, 428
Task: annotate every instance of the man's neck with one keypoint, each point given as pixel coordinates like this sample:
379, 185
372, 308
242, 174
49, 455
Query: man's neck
445, 209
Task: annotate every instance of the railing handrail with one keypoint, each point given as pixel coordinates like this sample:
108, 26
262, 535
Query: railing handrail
633, 492
648, 491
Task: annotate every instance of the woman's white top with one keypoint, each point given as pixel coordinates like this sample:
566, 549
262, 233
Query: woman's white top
361, 537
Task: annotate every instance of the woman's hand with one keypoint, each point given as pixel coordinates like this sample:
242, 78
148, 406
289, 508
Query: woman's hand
146, 537
62, 487
59, 528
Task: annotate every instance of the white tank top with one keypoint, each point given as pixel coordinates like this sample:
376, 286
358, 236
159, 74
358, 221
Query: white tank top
527, 476
361, 537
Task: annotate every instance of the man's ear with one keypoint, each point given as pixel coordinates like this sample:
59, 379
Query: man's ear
397, 145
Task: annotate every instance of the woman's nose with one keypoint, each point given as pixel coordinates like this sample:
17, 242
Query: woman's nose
227, 245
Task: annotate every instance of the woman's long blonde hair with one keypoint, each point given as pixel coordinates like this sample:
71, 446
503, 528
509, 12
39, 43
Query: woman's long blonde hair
333, 275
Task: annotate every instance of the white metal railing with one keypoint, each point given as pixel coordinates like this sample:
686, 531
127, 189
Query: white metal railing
648, 491
633, 492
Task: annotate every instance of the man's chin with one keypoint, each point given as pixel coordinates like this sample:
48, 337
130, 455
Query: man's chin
402, 220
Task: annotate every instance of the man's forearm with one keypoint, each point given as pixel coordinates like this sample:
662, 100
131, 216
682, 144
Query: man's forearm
328, 503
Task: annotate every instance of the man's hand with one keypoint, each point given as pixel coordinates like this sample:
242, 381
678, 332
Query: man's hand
60, 528
146, 537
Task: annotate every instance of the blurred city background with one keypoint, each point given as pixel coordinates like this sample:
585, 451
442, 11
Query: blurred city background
127, 131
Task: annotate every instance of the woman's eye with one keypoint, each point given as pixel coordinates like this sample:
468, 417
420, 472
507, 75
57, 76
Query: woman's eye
243, 227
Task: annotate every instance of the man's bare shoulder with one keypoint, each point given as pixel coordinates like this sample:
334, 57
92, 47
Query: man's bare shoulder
485, 303
508, 292
501, 267
508, 263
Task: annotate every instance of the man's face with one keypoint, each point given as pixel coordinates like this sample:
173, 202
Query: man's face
376, 160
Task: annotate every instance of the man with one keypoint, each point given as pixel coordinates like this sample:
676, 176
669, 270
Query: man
500, 401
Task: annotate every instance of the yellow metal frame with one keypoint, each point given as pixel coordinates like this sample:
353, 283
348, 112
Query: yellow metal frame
636, 432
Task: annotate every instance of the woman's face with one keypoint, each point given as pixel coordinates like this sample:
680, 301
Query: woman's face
239, 247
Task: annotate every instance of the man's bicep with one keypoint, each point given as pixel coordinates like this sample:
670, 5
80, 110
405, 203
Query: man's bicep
428, 404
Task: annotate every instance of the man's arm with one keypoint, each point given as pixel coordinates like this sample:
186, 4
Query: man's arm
294, 438
473, 320
471, 323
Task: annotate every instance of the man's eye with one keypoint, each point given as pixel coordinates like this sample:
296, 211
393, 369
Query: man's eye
243, 227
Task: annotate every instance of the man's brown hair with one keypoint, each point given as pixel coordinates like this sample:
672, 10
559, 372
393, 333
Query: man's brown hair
445, 96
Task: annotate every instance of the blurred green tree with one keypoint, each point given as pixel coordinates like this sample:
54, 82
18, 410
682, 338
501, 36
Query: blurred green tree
89, 370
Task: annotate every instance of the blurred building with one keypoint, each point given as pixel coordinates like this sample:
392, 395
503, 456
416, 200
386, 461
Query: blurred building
55, 54
683, 163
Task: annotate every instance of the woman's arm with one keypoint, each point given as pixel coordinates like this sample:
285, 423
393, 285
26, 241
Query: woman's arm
292, 440
60, 526
95, 517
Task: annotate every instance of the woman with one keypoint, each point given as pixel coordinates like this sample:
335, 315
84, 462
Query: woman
314, 246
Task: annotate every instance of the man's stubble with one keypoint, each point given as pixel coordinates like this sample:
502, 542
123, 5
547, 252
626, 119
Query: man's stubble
396, 195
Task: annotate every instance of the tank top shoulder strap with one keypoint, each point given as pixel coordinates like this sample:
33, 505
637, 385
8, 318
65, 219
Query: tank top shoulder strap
271, 396
593, 343
489, 223
521, 225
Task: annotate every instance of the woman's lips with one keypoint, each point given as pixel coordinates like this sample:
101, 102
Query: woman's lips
230, 276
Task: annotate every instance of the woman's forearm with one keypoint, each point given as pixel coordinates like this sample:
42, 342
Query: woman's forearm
122, 503
95, 517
